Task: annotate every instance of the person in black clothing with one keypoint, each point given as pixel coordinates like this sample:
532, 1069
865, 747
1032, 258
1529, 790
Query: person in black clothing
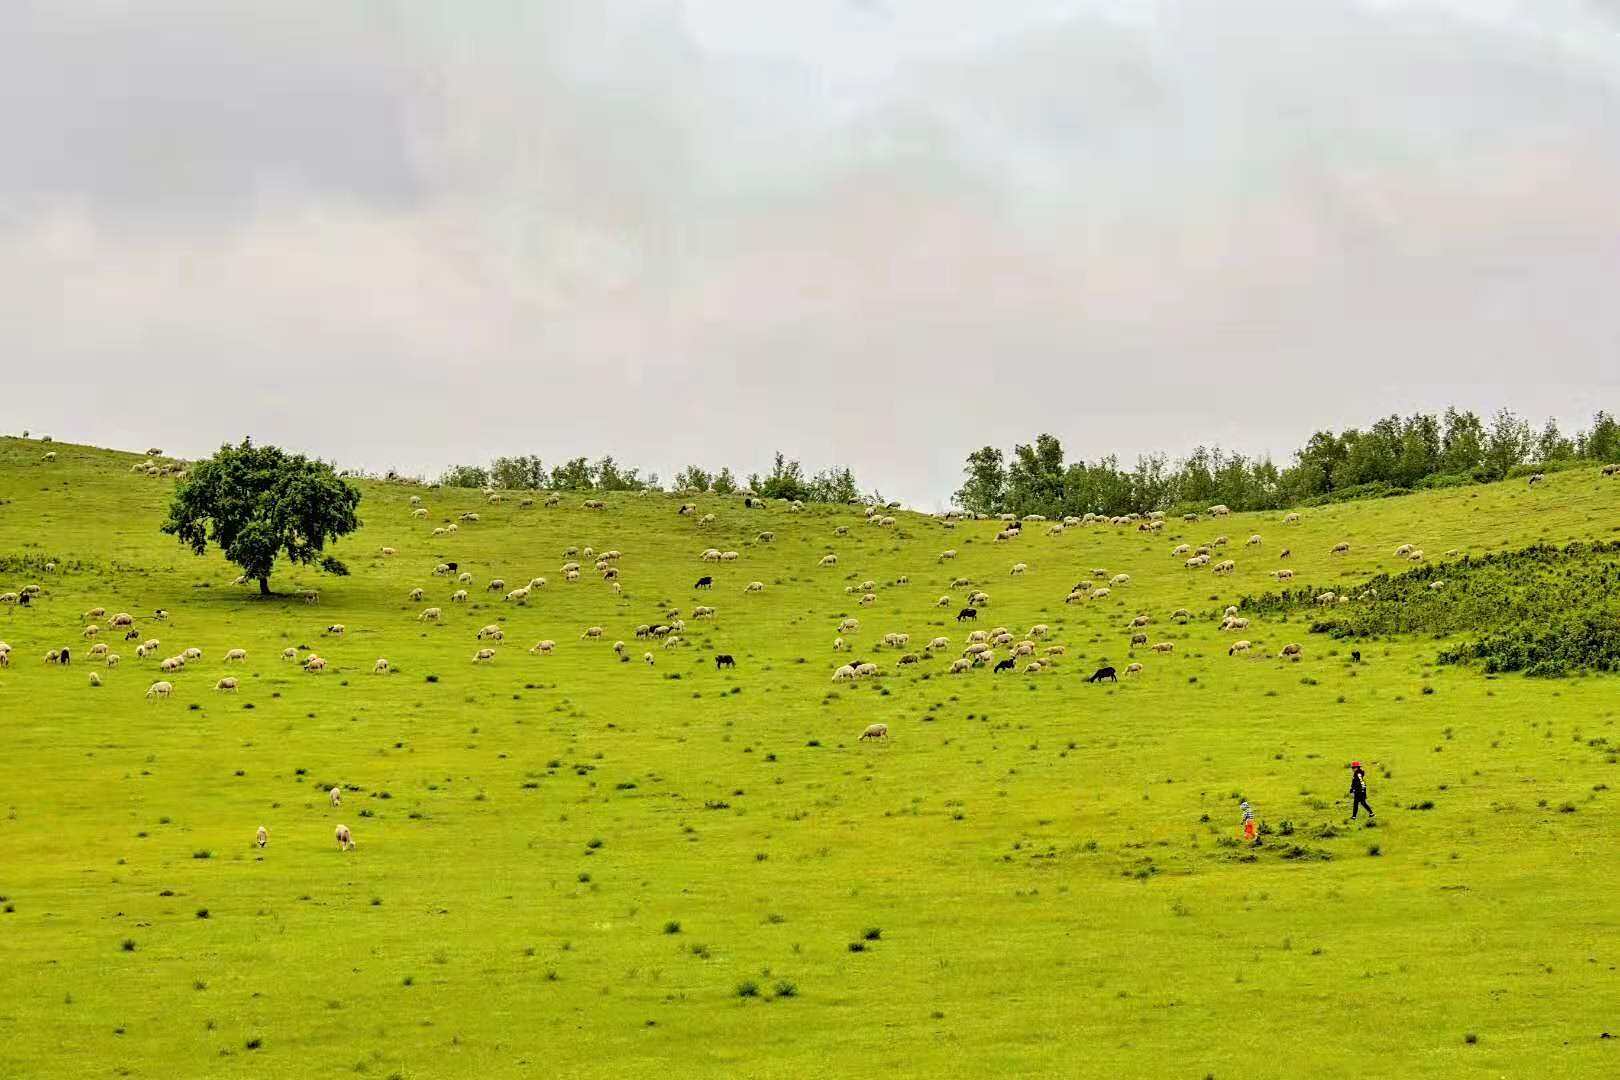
1358, 790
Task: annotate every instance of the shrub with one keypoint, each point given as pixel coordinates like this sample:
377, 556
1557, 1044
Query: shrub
748, 988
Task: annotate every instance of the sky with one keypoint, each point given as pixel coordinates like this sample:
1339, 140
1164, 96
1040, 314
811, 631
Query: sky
877, 233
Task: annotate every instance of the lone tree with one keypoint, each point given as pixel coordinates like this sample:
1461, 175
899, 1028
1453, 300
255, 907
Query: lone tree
257, 502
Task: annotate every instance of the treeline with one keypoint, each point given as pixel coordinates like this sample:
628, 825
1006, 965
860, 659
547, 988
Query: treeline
1393, 456
785, 480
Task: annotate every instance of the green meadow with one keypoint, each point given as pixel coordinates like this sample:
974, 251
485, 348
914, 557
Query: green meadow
573, 865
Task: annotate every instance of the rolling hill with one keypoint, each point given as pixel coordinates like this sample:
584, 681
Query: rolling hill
575, 865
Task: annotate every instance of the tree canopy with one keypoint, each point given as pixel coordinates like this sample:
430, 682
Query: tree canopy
258, 504
1391, 455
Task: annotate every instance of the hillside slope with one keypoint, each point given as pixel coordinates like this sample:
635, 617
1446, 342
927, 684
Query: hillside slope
573, 865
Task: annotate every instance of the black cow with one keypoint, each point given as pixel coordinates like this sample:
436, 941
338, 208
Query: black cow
704, 582
132, 635
724, 660
966, 614
1355, 656
66, 657
25, 599
1004, 665
1105, 674
453, 566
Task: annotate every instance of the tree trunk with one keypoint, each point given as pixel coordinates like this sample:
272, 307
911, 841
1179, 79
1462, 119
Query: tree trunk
264, 585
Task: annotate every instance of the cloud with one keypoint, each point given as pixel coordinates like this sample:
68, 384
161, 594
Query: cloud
874, 234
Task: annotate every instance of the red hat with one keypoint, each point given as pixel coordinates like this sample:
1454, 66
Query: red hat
1355, 765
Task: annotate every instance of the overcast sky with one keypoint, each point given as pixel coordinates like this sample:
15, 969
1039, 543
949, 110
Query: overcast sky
871, 232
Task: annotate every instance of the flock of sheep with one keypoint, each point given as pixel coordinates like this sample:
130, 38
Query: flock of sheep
1032, 649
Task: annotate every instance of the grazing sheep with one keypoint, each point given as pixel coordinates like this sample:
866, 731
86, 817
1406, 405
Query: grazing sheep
959, 666
98, 650
495, 585
517, 596
491, 631
286, 654
431, 614
592, 632
1291, 519
1141, 620
1232, 622
387, 552
483, 656
262, 837
828, 560
380, 667
1099, 594
1164, 647
1138, 639
420, 512
1416, 555
345, 839
1284, 553
1403, 551
844, 673
94, 613
1133, 669
1253, 540
1536, 478
236, 656
227, 684
849, 626
337, 629
1237, 647
90, 631
755, 587
1341, 548
1219, 510
1019, 568
1039, 630
315, 665
464, 578
172, 664
866, 670
543, 647
1293, 650
1179, 550
1326, 598
159, 690
647, 658
618, 648
1181, 615
95, 680
534, 583
122, 620
947, 555
1226, 566
1283, 575
191, 654
311, 597
1437, 584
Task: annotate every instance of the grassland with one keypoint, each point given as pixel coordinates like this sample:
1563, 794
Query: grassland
572, 866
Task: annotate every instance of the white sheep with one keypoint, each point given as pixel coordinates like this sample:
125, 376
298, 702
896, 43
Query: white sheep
345, 839
159, 690
262, 837
380, 667
227, 684
875, 731
828, 560
431, 614
543, 647
483, 656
